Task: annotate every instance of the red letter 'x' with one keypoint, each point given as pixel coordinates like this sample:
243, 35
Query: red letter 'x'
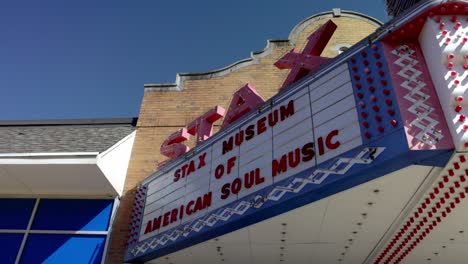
309, 60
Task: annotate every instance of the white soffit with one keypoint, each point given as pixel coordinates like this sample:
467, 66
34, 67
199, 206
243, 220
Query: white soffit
78, 173
114, 162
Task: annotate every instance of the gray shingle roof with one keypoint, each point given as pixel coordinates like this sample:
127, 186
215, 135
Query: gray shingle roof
75, 135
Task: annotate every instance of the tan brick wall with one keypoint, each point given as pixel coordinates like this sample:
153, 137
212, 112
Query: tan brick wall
349, 31
162, 113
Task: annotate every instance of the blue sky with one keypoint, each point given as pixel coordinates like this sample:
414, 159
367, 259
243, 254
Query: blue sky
91, 58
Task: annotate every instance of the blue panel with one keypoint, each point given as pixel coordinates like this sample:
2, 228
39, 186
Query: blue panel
15, 213
70, 249
373, 91
73, 214
10, 244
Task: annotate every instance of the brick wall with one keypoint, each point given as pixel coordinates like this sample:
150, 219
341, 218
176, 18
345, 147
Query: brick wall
163, 112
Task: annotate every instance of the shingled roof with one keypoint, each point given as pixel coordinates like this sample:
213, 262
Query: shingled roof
74, 135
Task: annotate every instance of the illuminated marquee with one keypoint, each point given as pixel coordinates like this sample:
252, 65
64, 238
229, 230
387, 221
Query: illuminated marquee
222, 178
367, 113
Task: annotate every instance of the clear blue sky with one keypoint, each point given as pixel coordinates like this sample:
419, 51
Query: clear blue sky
90, 58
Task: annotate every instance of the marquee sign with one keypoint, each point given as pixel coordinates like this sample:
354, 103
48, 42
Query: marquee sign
368, 112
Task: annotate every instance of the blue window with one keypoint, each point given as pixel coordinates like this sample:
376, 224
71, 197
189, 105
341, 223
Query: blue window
10, 245
70, 249
73, 214
15, 213
52, 236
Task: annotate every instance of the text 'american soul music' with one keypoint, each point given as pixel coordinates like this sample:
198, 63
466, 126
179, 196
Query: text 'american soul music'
255, 177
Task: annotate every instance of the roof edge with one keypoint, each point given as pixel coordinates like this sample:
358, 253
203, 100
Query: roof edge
60, 122
48, 154
335, 12
255, 56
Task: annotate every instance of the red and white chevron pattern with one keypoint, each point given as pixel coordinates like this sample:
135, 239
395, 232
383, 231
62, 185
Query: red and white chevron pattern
415, 85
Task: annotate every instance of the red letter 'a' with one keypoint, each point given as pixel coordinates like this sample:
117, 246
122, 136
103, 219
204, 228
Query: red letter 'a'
202, 127
172, 147
243, 101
